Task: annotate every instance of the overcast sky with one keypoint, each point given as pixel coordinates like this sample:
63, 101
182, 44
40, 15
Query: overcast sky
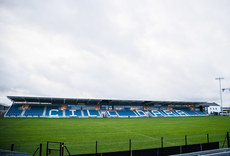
119, 49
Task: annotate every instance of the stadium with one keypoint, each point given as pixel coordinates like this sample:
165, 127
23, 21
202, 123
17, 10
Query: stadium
99, 108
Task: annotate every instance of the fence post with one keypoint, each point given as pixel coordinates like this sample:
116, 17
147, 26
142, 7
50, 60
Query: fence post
47, 148
130, 146
96, 146
162, 147
12, 147
40, 152
162, 143
186, 143
62, 150
207, 138
228, 143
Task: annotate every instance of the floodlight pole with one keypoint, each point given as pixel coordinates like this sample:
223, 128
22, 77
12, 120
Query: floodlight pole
220, 78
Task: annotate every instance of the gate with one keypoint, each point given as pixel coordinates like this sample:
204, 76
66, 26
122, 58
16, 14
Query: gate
49, 149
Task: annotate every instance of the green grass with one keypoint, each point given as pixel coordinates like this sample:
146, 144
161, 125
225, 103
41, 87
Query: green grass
80, 135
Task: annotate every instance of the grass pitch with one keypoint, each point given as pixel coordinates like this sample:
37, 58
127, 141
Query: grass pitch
80, 135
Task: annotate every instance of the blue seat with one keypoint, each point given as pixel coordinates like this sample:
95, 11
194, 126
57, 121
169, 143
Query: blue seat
169, 113
126, 113
85, 112
68, 112
54, 113
34, 111
156, 113
141, 113
111, 113
200, 113
189, 112
73, 113
94, 113
180, 112
15, 110
78, 113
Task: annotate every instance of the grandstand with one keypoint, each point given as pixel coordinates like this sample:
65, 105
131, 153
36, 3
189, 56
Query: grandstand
97, 108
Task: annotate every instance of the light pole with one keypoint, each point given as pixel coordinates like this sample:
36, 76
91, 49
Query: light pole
220, 78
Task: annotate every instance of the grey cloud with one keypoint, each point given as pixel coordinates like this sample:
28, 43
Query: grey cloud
157, 50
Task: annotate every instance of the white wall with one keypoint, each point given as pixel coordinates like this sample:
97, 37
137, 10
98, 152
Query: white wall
212, 109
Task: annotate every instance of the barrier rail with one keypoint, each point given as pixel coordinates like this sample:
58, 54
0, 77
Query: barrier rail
40, 151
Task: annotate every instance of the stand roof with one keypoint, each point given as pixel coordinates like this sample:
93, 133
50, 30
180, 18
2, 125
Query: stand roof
75, 101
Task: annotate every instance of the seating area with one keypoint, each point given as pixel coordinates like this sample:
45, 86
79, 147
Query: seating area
111, 114
14, 111
73, 113
180, 113
156, 113
141, 113
34, 111
193, 113
85, 113
78, 113
55, 111
169, 113
126, 113
200, 113
94, 113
